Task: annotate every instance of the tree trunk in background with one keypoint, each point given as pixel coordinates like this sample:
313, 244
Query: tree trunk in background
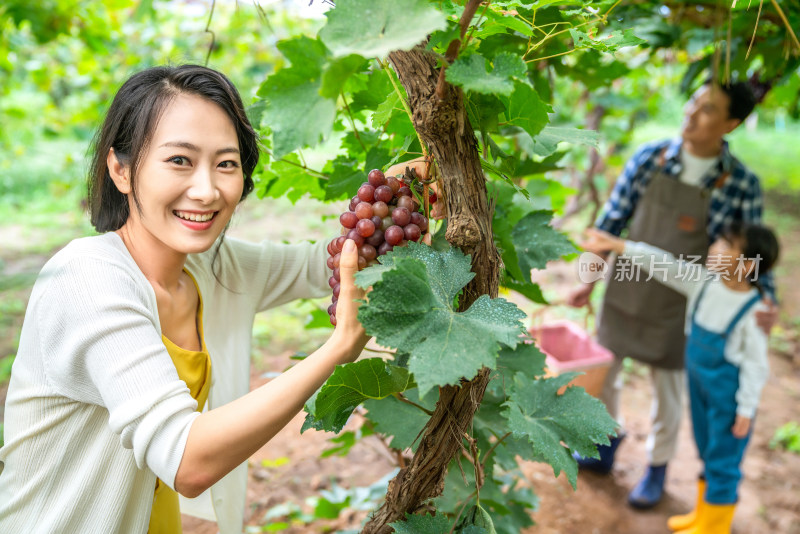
443, 125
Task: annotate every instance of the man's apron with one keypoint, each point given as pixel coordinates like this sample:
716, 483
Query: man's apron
644, 319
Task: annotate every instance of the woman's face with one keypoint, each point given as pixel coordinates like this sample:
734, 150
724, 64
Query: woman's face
190, 180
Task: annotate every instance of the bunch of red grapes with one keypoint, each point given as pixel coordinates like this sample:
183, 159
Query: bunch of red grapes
383, 215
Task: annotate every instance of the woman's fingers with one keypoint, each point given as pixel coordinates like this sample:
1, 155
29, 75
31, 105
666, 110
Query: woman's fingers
349, 294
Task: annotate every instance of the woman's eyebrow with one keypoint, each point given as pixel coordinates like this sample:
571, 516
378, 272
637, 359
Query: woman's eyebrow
189, 146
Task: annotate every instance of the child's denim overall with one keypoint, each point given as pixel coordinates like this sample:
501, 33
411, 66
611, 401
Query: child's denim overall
713, 382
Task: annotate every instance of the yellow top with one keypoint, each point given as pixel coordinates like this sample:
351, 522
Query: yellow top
194, 368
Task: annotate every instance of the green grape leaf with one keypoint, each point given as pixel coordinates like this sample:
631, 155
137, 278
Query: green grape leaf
531, 291
557, 424
525, 109
286, 177
422, 524
607, 43
350, 385
337, 72
398, 419
385, 110
344, 179
318, 319
373, 28
411, 308
546, 142
525, 358
295, 111
537, 242
470, 73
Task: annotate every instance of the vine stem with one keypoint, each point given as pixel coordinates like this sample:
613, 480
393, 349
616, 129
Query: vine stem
490, 451
353, 122
302, 166
782, 15
385, 66
452, 49
401, 398
209, 30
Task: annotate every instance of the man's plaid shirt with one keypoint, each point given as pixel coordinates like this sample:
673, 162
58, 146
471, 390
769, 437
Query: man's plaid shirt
738, 199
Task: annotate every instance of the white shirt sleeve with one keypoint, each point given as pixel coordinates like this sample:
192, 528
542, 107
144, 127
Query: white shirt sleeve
684, 277
277, 273
753, 365
100, 338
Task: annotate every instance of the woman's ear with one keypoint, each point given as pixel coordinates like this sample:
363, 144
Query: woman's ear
119, 172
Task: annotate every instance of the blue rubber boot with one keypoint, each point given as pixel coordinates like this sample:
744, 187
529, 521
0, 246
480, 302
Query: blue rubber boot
649, 490
603, 464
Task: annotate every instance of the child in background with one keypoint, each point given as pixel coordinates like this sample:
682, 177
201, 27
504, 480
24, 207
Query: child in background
726, 354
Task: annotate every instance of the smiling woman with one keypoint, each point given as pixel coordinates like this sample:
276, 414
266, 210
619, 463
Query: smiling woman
130, 384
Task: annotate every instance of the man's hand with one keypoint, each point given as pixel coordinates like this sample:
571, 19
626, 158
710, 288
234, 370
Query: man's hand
768, 318
580, 296
741, 426
601, 242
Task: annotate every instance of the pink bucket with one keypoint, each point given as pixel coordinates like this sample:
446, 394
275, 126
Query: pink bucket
570, 348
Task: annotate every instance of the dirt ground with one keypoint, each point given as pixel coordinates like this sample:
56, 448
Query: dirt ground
289, 469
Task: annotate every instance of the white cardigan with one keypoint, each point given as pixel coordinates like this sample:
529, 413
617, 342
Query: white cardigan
95, 409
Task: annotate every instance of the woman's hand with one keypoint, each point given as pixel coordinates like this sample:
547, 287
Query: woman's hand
601, 242
420, 168
348, 330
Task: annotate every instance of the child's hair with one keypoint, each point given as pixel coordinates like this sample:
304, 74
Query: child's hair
132, 119
757, 242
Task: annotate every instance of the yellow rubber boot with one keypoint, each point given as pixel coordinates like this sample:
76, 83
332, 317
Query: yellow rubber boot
682, 522
716, 519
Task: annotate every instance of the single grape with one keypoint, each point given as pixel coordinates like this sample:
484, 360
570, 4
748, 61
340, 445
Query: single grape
365, 228
412, 232
332, 308
336, 274
406, 202
384, 248
432, 197
362, 263
363, 211
336, 290
387, 222
380, 208
377, 221
348, 219
356, 237
330, 262
366, 193
401, 216
376, 178
333, 282
420, 220
336, 260
404, 191
340, 243
393, 235
368, 252
384, 193
333, 320
375, 239
354, 202
393, 183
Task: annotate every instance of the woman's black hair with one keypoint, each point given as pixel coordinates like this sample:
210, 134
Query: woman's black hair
758, 243
132, 119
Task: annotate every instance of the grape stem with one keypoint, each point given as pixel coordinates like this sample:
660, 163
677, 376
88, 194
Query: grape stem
490, 451
301, 165
385, 66
353, 122
402, 398
452, 49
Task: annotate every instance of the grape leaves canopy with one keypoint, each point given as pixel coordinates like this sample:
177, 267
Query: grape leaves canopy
470, 85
